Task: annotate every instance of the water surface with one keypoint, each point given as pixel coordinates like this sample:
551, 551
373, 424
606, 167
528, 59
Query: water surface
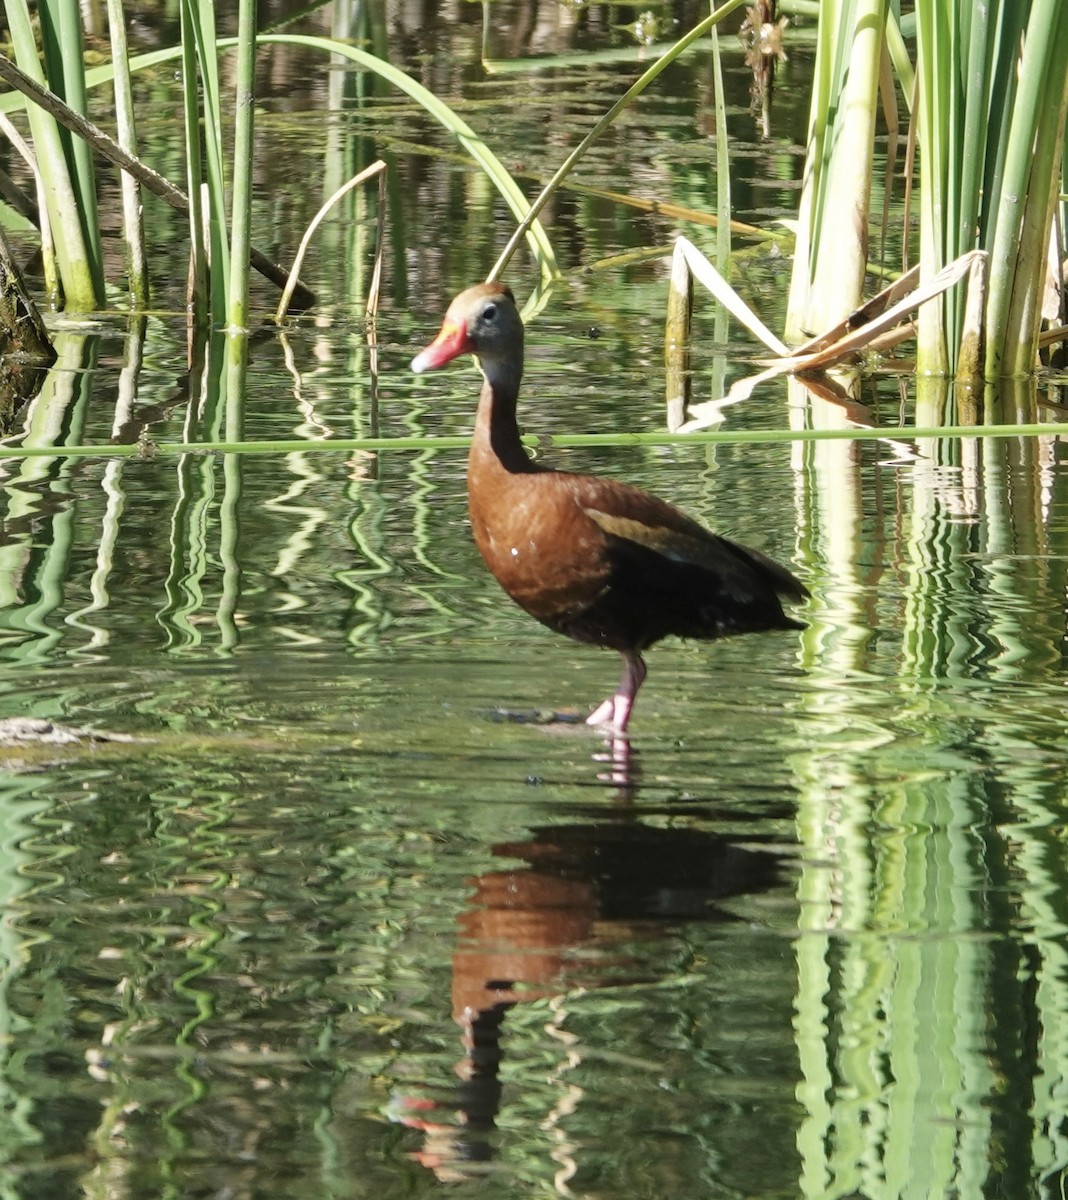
365, 908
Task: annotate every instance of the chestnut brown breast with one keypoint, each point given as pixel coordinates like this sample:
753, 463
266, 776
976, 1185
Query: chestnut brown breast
607, 563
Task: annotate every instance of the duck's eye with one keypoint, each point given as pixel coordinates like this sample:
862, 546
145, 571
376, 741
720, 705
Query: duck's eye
489, 313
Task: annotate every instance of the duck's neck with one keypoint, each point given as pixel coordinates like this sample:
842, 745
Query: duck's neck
496, 435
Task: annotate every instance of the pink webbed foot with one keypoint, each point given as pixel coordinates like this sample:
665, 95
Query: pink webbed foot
615, 711
603, 713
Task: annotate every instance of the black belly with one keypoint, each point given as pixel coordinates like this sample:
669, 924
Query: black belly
649, 596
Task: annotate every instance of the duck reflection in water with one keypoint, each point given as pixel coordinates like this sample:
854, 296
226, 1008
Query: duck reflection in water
564, 920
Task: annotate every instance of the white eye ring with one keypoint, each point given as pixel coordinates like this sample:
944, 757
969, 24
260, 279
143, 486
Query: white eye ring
489, 312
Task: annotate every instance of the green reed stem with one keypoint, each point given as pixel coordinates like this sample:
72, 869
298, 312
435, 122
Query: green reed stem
1040, 92
752, 437
244, 148
1024, 315
539, 242
198, 297
126, 127
76, 269
631, 94
64, 55
200, 24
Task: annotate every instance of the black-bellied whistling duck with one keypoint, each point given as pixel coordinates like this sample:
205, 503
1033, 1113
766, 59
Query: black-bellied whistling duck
601, 561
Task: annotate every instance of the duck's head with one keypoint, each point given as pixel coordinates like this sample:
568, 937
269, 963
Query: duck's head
482, 320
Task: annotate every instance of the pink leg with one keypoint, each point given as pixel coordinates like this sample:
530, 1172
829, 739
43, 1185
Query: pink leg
615, 711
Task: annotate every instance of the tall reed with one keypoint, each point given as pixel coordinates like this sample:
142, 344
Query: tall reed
66, 171
988, 107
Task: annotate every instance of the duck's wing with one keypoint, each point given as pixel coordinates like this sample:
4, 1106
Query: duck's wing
632, 516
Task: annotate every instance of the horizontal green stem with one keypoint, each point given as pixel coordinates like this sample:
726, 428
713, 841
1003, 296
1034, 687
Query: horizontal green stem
572, 441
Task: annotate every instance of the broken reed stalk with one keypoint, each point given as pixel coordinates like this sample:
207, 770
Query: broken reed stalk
678, 382
875, 323
376, 168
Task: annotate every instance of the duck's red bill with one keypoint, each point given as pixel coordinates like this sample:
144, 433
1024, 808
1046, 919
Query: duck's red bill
449, 344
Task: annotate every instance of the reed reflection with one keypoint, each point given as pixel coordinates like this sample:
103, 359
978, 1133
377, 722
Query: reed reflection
927, 788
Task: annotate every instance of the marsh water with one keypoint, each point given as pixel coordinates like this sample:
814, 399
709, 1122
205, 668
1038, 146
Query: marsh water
349, 901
